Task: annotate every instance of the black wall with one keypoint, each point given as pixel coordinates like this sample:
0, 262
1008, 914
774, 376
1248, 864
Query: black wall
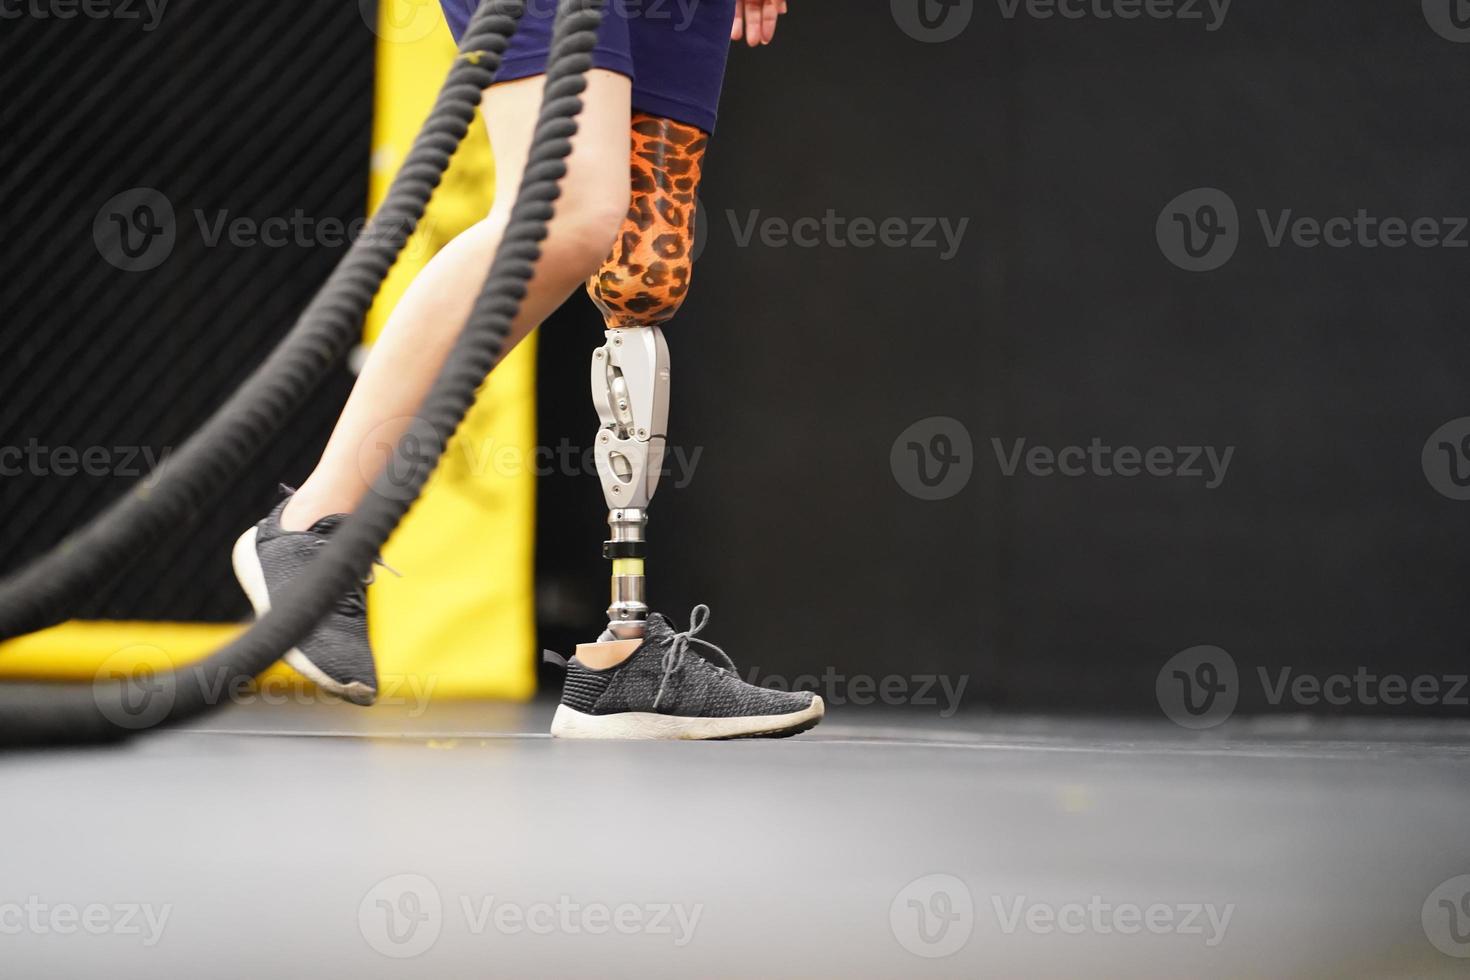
1325, 548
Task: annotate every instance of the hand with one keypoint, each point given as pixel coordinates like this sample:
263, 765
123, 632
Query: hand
756, 20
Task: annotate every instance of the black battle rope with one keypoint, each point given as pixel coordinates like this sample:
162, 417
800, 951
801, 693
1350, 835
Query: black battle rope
107, 710
49, 589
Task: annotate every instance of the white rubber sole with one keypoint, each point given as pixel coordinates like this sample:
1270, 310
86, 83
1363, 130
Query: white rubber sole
571, 723
246, 561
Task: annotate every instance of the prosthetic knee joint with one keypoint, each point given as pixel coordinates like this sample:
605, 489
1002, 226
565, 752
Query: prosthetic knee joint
640, 286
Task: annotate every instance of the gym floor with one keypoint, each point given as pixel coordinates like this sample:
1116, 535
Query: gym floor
461, 841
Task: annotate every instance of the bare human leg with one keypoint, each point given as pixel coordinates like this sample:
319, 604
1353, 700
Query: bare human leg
422, 330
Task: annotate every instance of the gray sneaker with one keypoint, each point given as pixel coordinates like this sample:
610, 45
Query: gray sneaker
666, 690
336, 656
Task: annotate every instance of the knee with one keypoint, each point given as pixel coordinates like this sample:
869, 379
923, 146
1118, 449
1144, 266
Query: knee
577, 241
582, 234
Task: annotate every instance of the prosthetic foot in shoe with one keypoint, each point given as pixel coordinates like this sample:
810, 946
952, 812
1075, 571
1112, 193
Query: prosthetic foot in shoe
668, 690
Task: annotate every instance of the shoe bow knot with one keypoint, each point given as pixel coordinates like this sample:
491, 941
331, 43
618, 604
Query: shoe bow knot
678, 649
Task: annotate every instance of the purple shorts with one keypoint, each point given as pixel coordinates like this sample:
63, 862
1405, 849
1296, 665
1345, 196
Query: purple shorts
673, 50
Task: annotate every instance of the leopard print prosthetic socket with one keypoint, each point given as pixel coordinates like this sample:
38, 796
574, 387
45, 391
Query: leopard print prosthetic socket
647, 274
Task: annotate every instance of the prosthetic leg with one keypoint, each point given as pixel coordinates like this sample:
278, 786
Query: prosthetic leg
640, 287
665, 691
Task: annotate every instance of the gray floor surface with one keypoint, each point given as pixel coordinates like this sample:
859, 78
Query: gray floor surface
461, 841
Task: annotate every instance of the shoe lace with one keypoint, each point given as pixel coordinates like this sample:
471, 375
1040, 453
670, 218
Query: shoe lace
678, 650
354, 603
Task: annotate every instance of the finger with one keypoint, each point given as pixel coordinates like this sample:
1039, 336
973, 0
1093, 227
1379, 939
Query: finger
768, 20
783, 7
737, 28
752, 22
